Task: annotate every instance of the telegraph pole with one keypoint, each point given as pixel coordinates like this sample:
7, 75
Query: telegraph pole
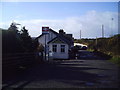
96, 41
96, 44
80, 34
102, 31
112, 26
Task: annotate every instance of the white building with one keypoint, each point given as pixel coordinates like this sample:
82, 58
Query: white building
56, 43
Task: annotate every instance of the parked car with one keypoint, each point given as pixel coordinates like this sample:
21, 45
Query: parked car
84, 48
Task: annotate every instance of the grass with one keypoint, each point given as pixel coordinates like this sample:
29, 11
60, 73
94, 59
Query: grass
116, 60
90, 50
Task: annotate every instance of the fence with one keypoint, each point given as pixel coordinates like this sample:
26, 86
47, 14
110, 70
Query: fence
17, 60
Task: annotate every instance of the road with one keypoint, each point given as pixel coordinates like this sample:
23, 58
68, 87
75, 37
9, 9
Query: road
67, 74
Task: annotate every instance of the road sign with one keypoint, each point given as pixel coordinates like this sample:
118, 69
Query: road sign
45, 30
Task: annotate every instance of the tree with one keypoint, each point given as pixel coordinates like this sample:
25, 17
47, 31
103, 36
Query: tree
14, 41
10, 40
13, 27
27, 42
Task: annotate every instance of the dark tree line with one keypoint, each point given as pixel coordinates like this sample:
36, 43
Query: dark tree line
14, 41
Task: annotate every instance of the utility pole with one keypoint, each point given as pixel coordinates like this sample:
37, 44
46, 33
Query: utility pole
80, 34
96, 41
96, 44
102, 31
112, 26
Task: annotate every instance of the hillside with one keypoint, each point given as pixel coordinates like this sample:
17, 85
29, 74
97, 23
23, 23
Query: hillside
106, 45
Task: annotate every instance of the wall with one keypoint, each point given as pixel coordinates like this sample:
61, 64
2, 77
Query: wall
49, 37
59, 54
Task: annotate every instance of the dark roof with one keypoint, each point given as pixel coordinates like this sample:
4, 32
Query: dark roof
49, 30
53, 31
64, 37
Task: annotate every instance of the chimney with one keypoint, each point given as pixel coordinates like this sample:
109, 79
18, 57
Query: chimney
61, 31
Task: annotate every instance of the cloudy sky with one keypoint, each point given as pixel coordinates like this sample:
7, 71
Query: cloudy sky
69, 16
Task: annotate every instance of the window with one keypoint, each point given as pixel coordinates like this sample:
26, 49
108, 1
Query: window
54, 48
62, 48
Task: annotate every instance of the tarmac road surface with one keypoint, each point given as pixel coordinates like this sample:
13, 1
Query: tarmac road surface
67, 74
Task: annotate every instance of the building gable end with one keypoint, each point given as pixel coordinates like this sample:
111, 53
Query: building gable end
57, 40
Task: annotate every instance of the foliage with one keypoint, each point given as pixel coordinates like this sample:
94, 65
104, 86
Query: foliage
116, 60
14, 41
106, 45
11, 42
26, 40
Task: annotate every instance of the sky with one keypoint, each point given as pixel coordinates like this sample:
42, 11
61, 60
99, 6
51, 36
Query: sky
69, 16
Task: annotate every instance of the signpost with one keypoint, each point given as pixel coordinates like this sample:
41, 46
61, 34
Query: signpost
45, 30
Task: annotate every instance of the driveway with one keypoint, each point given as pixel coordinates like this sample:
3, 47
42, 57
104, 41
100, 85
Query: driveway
67, 74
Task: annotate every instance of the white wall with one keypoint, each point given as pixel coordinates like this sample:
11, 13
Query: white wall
59, 54
49, 37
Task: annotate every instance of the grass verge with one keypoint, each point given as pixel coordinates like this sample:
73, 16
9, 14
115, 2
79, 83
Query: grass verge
116, 60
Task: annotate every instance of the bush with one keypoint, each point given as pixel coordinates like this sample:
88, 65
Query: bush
103, 55
116, 60
106, 45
